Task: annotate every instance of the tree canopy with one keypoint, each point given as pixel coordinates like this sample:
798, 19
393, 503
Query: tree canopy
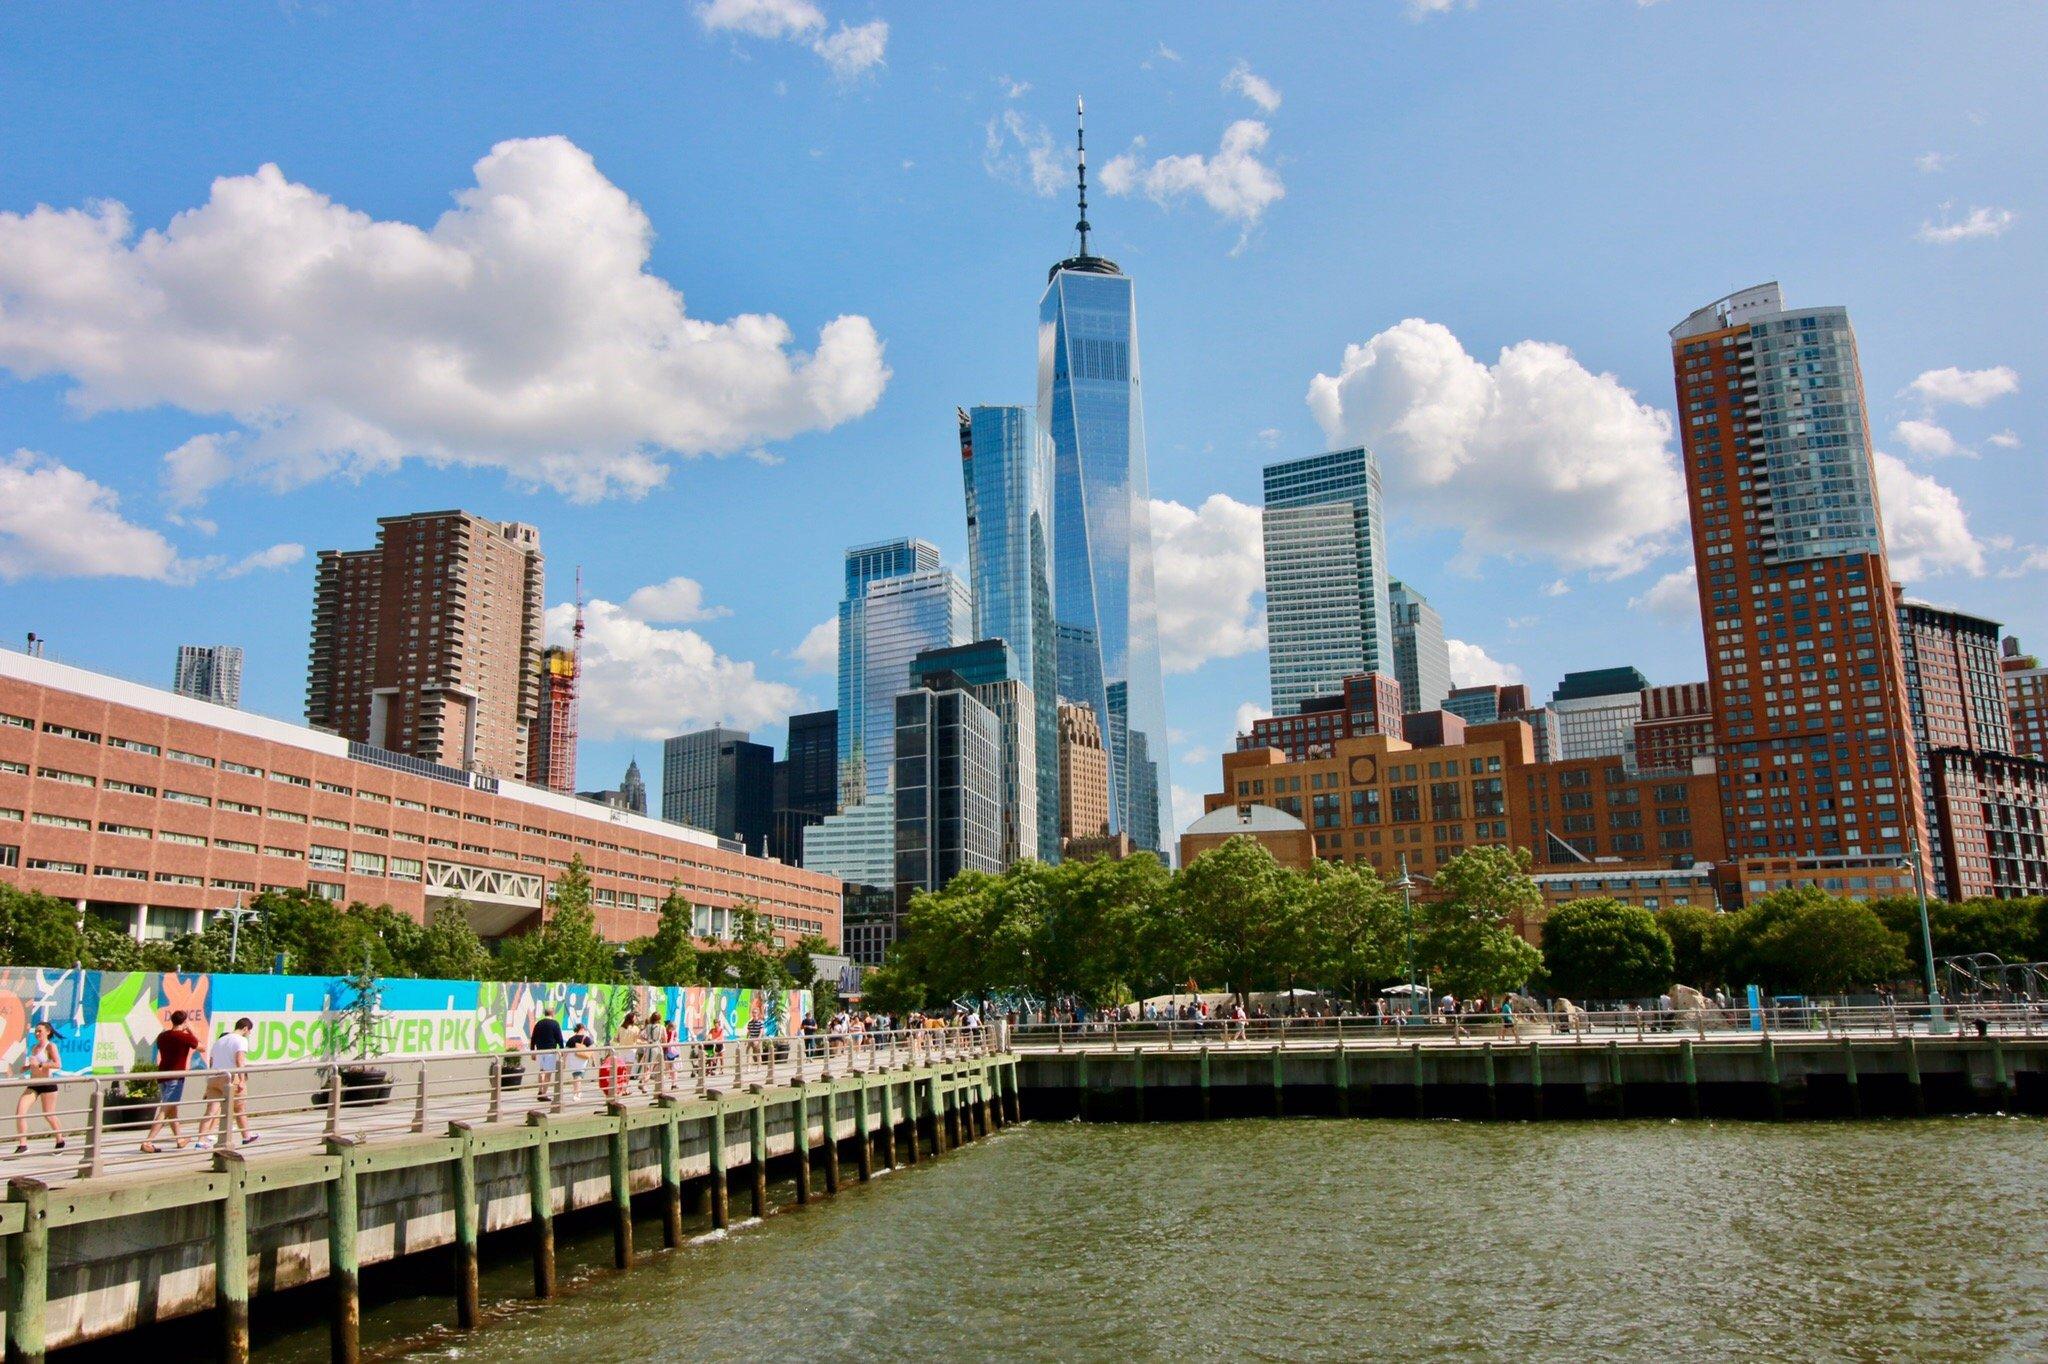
1605, 950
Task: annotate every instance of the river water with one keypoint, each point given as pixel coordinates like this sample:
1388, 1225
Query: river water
1344, 1240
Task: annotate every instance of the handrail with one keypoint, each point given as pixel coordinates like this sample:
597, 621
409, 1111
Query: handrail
85, 1126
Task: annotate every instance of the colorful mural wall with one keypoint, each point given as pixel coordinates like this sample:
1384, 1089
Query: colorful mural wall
107, 1021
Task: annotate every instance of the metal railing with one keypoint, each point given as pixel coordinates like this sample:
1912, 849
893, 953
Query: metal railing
86, 1126
1706, 1023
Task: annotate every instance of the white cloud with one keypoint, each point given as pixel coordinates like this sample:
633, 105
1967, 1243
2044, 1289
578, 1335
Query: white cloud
1929, 440
1269, 436
521, 331
57, 523
1979, 222
1160, 53
1021, 151
1209, 568
848, 51
1533, 456
2007, 439
2034, 560
1246, 713
818, 651
1675, 596
1419, 10
1234, 182
1013, 89
1927, 163
265, 560
1557, 588
679, 601
1242, 80
1926, 531
1964, 387
1472, 666
644, 682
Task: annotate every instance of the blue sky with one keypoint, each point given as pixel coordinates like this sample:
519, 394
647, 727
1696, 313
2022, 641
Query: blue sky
1500, 204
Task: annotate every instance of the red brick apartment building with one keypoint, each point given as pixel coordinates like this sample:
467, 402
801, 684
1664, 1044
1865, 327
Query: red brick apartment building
151, 809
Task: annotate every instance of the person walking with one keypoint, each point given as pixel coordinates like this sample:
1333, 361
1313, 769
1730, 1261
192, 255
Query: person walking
227, 1087
41, 1064
625, 1050
580, 1043
175, 1047
545, 1041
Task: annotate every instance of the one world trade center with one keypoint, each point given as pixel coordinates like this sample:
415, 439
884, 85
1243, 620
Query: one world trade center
1090, 408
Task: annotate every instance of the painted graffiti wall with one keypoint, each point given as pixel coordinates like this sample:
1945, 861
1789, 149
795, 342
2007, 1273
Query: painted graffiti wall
107, 1021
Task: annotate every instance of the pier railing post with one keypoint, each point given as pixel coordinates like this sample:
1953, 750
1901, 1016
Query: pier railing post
540, 1192
419, 1105
497, 1089
95, 1131
334, 1103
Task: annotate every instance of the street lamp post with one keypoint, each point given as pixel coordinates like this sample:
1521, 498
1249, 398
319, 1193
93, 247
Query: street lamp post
1407, 885
1935, 1021
236, 915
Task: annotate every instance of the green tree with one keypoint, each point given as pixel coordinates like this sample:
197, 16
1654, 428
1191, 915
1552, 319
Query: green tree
1603, 949
448, 948
41, 930
954, 942
799, 962
1241, 914
670, 957
891, 988
1805, 941
566, 946
1468, 941
1690, 929
750, 958
1356, 928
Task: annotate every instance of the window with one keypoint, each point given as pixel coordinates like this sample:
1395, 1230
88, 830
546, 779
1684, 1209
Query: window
189, 840
1488, 797
179, 755
172, 878
233, 845
288, 816
405, 869
289, 780
68, 778
185, 797
13, 768
402, 803
1365, 806
134, 746
1627, 843
9, 816
1575, 800
1665, 795
322, 822
15, 721
84, 736
128, 787
1624, 819
59, 821
1446, 800
240, 807
1407, 804
328, 890
293, 853
121, 873
1327, 812
50, 864
10, 855
366, 863
330, 786
229, 766
124, 830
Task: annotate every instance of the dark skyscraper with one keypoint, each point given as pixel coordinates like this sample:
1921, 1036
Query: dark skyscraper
806, 782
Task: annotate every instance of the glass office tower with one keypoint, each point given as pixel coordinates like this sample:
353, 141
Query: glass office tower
904, 616
866, 564
1326, 575
1008, 474
1091, 410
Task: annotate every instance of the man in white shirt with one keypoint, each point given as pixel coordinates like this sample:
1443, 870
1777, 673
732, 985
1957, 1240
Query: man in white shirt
227, 1086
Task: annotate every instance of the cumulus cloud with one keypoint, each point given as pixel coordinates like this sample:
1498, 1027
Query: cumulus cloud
2033, 559
1187, 806
1013, 89
1246, 713
1533, 456
642, 681
849, 51
1927, 439
1472, 666
818, 651
1021, 151
1234, 182
265, 560
1977, 223
1951, 386
1557, 588
1927, 163
57, 523
521, 331
1209, 566
2005, 440
1675, 596
679, 601
1926, 531
1242, 80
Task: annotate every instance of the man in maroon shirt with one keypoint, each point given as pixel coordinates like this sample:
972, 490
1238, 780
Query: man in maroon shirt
175, 1046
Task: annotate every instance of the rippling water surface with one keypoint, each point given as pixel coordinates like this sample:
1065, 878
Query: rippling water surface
1346, 1240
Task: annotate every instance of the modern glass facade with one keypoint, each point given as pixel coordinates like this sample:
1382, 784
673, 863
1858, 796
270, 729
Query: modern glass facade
948, 796
1091, 409
1007, 469
865, 564
1422, 660
904, 616
991, 672
1326, 575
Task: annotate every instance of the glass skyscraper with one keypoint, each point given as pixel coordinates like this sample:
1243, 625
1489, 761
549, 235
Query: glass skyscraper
1007, 470
1422, 659
904, 616
1326, 575
866, 564
1091, 410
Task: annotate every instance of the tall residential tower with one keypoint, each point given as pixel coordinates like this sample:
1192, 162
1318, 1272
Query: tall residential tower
1326, 575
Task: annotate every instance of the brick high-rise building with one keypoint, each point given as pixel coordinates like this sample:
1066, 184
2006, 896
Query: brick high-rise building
1367, 703
1084, 775
429, 644
1677, 727
551, 745
1812, 732
2026, 699
1956, 701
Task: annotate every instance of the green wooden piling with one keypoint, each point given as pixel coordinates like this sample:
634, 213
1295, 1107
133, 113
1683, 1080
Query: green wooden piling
671, 1136
1913, 1076
462, 1170
910, 1120
1415, 1078
757, 1148
864, 1158
28, 1272
1492, 1094
231, 1257
981, 1113
721, 1196
1999, 1075
831, 1114
622, 1187
1614, 1083
887, 1094
540, 1195
1771, 1077
1849, 1073
1343, 1081
1536, 1077
345, 1310
800, 1125
1138, 1082
1204, 1068
1689, 1066
1081, 1081
1279, 1082
1010, 1091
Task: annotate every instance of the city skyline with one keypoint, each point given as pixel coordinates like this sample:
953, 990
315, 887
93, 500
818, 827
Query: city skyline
684, 602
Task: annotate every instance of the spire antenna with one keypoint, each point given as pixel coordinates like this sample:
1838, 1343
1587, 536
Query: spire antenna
1081, 167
